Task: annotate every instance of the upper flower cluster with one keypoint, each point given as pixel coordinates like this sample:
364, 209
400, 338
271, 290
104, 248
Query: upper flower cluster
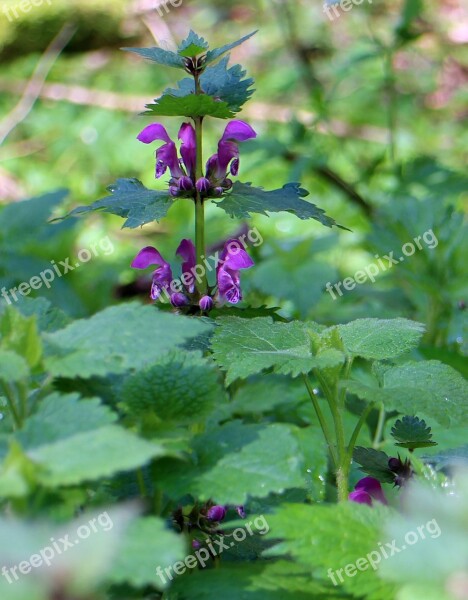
183, 180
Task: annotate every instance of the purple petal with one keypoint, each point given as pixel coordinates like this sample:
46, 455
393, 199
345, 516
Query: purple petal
166, 157
371, 486
186, 251
185, 184
154, 132
147, 257
234, 256
203, 185
361, 497
188, 148
240, 511
238, 131
228, 286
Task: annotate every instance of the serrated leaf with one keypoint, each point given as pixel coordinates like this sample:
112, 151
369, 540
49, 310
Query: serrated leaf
13, 368
160, 56
327, 538
245, 199
379, 339
192, 46
427, 387
92, 455
374, 463
227, 85
181, 387
236, 461
411, 432
279, 580
146, 545
131, 200
192, 106
216, 53
118, 339
245, 347
61, 416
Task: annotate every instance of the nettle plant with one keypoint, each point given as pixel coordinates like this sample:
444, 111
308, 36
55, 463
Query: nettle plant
213, 90
209, 415
353, 369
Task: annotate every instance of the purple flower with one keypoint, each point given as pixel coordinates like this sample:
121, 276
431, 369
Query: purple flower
216, 513
240, 511
167, 158
228, 150
233, 259
162, 277
366, 490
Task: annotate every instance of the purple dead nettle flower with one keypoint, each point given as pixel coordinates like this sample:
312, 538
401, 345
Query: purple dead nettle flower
233, 259
366, 491
216, 513
219, 166
162, 276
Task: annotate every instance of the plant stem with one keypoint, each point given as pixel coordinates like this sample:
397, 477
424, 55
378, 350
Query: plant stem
391, 104
321, 418
357, 429
202, 284
380, 426
10, 397
343, 461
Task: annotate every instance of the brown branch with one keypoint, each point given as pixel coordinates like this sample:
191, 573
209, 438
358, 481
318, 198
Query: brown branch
34, 86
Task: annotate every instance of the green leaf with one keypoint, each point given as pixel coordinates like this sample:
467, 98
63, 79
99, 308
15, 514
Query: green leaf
92, 455
326, 538
374, 463
411, 432
120, 338
192, 46
216, 53
20, 335
219, 82
378, 339
13, 368
244, 199
160, 56
235, 461
279, 580
146, 545
245, 347
131, 200
428, 387
180, 387
61, 416
189, 106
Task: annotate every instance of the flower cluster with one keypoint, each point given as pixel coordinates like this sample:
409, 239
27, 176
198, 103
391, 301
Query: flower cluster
182, 293
183, 180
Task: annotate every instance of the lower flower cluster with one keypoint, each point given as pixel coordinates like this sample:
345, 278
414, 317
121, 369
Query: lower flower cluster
183, 293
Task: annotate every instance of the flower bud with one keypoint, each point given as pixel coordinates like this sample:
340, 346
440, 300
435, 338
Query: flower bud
203, 185
206, 303
185, 184
178, 300
216, 513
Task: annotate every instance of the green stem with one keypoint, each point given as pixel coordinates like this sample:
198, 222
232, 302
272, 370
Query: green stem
357, 430
323, 423
380, 426
391, 104
202, 285
10, 397
141, 483
344, 463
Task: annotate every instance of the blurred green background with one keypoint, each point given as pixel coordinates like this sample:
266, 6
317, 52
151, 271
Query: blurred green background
366, 110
